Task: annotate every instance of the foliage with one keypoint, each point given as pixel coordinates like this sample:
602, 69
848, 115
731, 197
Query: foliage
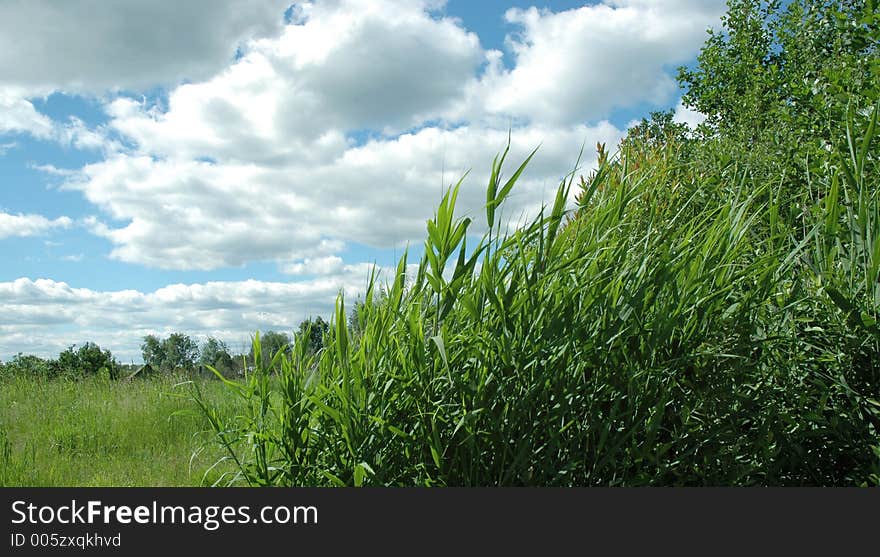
779, 84
273, 342
86, 360
153, 351
313, 331
672, 331
181, 352
89, 359
658, 130
27, 365
177, 352
216, 354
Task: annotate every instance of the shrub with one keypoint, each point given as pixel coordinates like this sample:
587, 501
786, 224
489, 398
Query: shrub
88, 359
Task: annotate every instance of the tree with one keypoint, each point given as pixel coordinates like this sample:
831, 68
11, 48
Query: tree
658, 129
153, 352
28, 365
312, 332
271, 343
181, 352
777, 83
215, 353
735, 83
178, 351
88, 359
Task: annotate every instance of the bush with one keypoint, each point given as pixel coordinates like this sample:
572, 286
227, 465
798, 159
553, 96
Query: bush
27, 366
88, 359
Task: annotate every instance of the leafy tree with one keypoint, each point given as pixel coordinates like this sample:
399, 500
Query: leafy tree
271, 343
312, 331
776, 83
178, 351
181, 352
736, 81
153, 352
658, 129
651, 140
28, 365
88, 359
216, 354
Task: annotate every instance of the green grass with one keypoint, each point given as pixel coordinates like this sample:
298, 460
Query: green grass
690, 322
687, 324
95, 432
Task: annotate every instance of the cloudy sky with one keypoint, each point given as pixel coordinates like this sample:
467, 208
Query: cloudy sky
220, 167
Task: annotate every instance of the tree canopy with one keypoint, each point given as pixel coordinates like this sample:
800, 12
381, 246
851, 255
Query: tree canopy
176, 352
779, 84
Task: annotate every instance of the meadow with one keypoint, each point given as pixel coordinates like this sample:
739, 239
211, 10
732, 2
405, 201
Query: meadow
97, 432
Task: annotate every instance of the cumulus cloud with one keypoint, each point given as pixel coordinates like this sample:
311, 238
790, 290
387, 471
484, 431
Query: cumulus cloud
688, 116
92, 46
45, 316
347, 65
257, 163
579, 64
18, 115
88, 47
202, 215
75, 133
29, 225
317, 266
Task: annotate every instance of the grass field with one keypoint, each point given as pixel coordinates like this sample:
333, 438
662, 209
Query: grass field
95, 432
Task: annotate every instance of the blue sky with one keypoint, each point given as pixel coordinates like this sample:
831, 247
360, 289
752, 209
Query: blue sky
236, 170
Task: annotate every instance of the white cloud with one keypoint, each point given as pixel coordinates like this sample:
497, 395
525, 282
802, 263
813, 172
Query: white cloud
18, 115
53, 170
255, 163
688, 116
90, 46
348, 65
77, 134
579, 64
317, 266
200, 215
29, 225
45, 316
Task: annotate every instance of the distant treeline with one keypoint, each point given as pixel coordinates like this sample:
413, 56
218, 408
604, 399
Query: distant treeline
176, 353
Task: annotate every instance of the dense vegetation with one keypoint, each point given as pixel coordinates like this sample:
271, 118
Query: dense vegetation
707, 314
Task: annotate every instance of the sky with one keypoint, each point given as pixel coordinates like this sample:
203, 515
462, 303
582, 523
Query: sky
218, 167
